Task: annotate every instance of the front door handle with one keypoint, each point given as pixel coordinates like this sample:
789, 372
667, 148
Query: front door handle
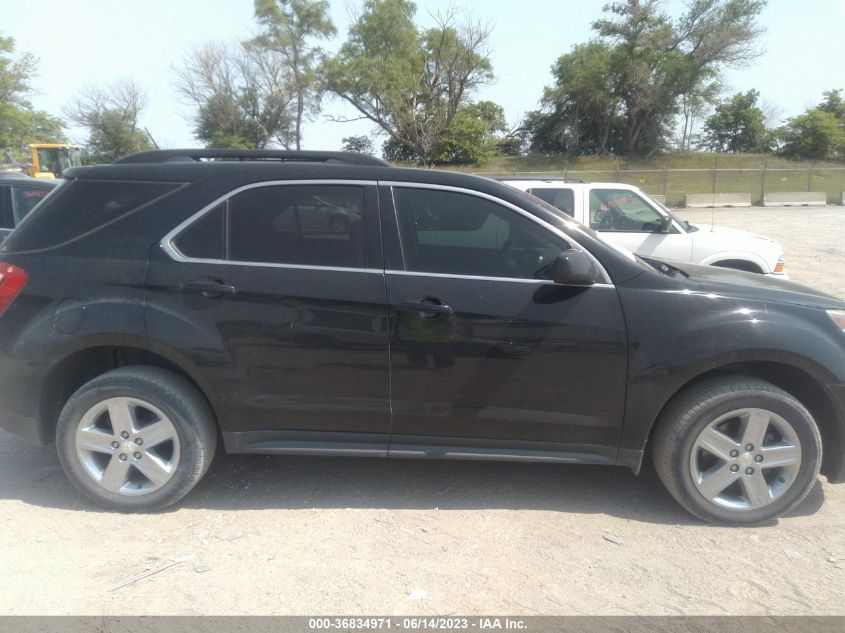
429, 306
210, 288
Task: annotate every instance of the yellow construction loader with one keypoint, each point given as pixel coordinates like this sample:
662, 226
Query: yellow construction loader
50, 160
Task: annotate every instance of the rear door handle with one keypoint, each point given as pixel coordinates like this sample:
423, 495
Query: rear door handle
209, 288
426, 306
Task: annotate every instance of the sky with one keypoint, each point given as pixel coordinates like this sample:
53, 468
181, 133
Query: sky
81, 42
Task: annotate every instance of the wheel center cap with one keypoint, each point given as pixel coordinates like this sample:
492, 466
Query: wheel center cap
128, 447
746, 459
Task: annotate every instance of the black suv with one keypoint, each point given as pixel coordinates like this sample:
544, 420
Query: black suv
155, 306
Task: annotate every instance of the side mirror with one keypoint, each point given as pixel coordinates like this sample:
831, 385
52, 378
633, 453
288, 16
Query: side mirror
665, 224
575, 268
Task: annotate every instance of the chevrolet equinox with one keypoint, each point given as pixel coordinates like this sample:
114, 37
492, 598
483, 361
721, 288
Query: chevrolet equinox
330, 304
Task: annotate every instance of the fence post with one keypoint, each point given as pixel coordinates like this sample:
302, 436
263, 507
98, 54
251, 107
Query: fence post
715, 163
810, 179
665, 179
763, 185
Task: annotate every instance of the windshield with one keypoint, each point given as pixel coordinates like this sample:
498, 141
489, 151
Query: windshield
56, 160
668, 211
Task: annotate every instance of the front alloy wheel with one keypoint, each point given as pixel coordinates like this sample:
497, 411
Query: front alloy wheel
737, 450
745, 459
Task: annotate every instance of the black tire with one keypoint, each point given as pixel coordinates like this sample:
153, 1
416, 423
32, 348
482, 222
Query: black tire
179, 400
690, 413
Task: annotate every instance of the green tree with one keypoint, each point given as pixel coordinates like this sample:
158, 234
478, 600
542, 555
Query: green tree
241, 94
111, 113
737, 126
20, 124
815, 135
581, 114
289, 28
360, 144
834, 104
472, 136
409, 82
622, 92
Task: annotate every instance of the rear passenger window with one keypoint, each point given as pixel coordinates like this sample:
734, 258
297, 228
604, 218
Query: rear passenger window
562, 199
318, 225
205, 238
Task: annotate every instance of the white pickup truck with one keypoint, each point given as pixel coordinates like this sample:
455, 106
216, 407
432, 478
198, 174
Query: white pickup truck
625, 216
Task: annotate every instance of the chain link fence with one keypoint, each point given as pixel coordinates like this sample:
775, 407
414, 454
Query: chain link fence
675, 184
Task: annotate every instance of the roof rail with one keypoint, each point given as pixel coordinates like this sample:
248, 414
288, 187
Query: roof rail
190, 155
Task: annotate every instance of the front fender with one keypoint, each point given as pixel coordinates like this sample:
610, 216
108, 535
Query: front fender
711, 333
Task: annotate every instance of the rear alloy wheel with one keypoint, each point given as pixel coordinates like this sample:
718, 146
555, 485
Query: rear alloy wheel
136, 438
128, 446
737, 450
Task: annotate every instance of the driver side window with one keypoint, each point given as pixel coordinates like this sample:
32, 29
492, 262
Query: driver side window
460, 234
622, 210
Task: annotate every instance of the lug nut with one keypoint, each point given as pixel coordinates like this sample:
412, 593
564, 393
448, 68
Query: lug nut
734, 468
758, 458
749, 471
734, 453
136, 455
122, 457
115, 444
749, 447
124, 435
139, 441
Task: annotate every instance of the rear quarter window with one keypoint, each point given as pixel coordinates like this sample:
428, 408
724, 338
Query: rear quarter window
80, 207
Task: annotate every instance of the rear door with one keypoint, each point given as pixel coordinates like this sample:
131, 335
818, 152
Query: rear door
488, 356
283, 315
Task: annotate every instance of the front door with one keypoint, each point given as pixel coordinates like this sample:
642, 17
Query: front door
624, 218
488, 356
283, 314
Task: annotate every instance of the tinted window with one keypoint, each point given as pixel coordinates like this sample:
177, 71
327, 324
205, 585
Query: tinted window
622, 210
461, 234
81, 206
24, 200
317, 225
7, 220
205, 238
563, 199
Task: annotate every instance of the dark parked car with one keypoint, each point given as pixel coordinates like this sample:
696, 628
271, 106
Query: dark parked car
157, 304
18, 196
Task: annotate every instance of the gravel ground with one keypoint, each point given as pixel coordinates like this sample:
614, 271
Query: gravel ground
279, 535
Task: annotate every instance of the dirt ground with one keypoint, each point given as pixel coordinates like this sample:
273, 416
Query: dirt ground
276, 535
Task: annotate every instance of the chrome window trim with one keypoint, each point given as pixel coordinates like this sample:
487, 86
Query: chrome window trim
521, 280
167, 242
168, 246
549, 227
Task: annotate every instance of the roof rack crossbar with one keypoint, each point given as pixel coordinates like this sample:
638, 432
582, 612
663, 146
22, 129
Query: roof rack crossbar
188, 155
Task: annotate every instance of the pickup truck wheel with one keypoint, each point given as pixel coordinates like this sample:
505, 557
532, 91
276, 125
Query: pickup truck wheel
136, 438
737, 450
